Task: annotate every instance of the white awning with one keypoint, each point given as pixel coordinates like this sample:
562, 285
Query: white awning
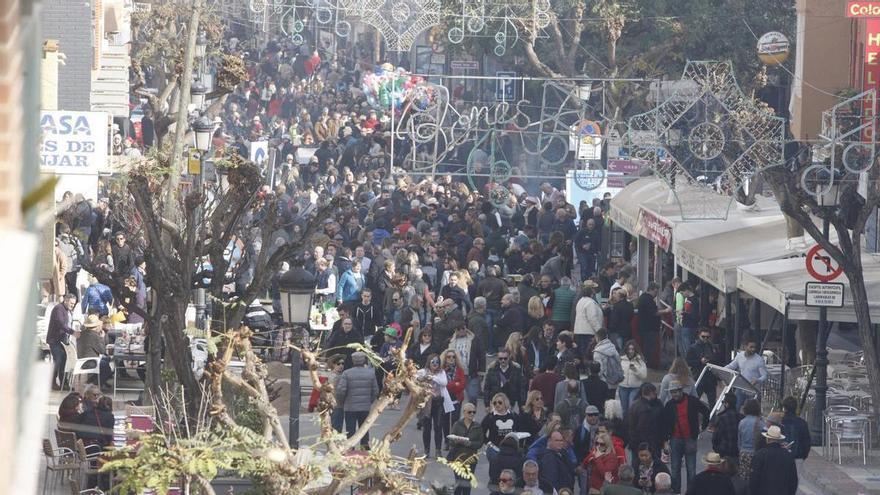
625, 205
776, 282
715, 257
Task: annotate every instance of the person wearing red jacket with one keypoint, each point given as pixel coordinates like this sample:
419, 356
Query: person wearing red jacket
602, 462
456, 382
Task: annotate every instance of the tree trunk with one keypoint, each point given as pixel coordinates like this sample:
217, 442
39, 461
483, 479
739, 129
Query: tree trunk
177, 347
853, 270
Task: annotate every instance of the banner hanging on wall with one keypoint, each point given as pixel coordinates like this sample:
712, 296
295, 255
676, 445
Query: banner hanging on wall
74, 142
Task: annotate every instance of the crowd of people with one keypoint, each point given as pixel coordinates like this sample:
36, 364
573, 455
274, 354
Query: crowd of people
514, 304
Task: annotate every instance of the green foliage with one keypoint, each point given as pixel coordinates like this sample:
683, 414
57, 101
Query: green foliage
158, 462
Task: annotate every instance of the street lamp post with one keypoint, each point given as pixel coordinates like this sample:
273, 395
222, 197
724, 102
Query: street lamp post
202, 130
828, 199
197, 93
296, 288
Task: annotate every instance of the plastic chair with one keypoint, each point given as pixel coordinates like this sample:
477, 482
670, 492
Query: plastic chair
58, 461
81, 368
850, 431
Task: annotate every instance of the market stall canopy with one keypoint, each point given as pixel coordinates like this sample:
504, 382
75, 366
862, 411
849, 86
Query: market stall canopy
625, 205
778, 281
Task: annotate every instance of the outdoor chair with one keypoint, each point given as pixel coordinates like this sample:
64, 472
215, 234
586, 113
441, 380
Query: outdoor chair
850, 431
85, 366
59, 461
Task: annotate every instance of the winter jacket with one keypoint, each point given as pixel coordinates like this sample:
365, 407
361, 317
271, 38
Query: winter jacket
556, 469
643, 421
546, 383
509, 457
633, 377
725, 438
773, 472
712, 481
457, 384
797, 432
445, 328
604, 353
620, 319
601, 464
340, 339
514, 319
367, 318
698, 416
588, 317
476, 357
357, 389
349, 286
461, 451
96, 298
514, 388
563, 298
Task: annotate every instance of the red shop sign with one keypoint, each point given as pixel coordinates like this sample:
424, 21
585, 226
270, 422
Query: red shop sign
656, 229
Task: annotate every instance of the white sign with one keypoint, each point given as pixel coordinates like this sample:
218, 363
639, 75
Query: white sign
259, 152
590, 148
824, 294
74, 142
464, 65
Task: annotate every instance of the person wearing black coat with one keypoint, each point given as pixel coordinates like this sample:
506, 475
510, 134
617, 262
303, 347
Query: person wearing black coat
773, 468
643, 419
620, 318
339, 339
95, 424
513, 319
713, 480
701, 353
419, 352
368, 319
508, 457
556, 468
506, 377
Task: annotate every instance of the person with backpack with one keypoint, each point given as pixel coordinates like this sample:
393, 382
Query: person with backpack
571, 408
796, 431
607, 356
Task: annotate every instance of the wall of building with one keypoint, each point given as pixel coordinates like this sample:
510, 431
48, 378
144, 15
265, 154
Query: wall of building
70, 22
824, 63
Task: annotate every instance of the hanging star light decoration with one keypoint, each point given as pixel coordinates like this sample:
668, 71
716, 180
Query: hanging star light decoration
707, 137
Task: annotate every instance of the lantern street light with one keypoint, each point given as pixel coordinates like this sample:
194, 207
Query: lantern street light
201, 45
584, 90
296, 288
197, 93
203, 128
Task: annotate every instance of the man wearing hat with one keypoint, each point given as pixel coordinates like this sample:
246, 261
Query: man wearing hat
713, 480
92, 343
725, 435
356, 391
773, 468
681, 421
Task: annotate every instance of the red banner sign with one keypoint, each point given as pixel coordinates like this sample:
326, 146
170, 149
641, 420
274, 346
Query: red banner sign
871, 71
863, 9
656, 229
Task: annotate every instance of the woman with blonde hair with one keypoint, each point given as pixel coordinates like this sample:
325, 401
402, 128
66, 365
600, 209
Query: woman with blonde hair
464, 279
534, 414
518, 353
537, 313
678, 371
602, 462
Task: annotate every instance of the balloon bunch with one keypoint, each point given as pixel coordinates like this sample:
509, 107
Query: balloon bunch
389, 88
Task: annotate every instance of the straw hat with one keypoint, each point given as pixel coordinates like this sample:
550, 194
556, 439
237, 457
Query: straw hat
92, 321
773, 433
713, 459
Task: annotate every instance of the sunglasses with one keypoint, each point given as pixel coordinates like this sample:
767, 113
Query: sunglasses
539, 398
592, 415
600, 444
435, 361
505, 480
470, 412
497, 403
502, 359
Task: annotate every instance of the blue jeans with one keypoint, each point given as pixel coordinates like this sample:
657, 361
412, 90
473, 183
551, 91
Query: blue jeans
587, 263
627, 396
583, 342
492, 315
678, 448
336, 417
685, 339
353, 420
472, 390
